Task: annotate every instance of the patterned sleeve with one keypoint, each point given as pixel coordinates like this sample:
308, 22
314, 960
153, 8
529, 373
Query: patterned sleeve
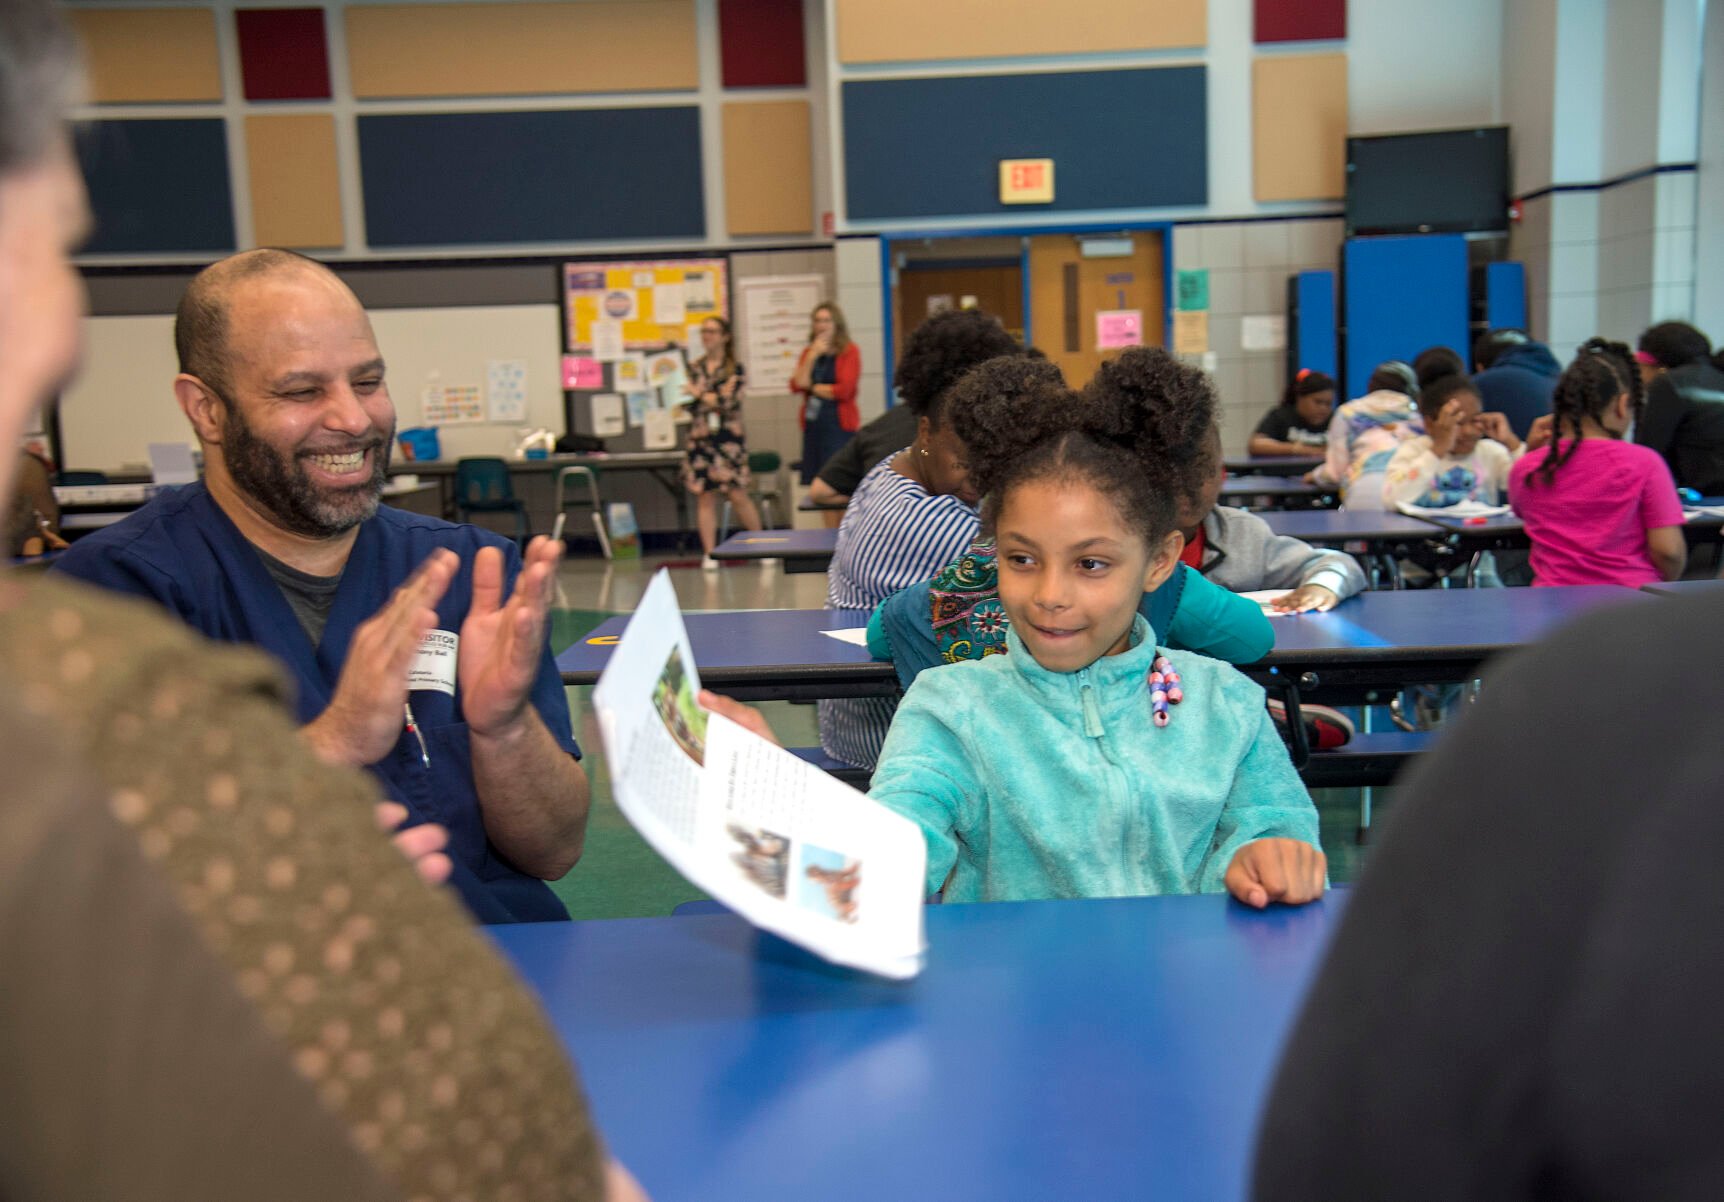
401, 1017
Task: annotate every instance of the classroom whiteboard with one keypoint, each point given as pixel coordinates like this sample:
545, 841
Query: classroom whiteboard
123, 399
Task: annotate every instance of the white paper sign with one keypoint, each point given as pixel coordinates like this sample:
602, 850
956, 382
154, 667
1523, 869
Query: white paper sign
506, 390
773, 323
434, 666
607, 341
629, 375
607, 415
791, 849
1263, 333
668, 307
658, 430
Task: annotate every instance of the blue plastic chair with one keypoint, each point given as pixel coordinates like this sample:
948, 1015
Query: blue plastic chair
482, 485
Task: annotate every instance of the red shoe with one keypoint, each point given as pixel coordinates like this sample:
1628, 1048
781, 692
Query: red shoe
1326, 728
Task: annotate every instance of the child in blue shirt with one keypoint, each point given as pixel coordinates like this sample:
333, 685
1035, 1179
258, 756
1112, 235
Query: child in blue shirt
1088, 762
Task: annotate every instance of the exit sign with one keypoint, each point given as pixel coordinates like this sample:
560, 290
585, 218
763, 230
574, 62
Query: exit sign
1026, 181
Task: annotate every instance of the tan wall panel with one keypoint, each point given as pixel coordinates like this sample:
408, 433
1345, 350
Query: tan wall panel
1299, 127
768, 174
522, 49
886, 31
149, 54
295, 180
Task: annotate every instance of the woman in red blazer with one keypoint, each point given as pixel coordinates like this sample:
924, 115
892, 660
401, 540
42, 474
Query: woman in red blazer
826, 377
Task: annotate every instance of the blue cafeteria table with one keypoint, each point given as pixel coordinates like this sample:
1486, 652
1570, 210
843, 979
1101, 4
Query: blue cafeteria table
758, 655
1271, 465
801, 550
1277, 489
1064, 1049
1677, 588
1376, 641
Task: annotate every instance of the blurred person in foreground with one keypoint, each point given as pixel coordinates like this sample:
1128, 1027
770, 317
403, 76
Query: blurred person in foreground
222, 981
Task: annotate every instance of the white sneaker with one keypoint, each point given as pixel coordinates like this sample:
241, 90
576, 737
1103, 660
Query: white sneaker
708, 564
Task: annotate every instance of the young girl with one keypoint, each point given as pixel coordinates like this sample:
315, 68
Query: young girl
1599, 509
957, 614
1299, 425
717, 451
1088, 762
1364, 434
1465, 454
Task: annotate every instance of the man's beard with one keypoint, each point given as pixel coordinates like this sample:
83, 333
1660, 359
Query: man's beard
279, 484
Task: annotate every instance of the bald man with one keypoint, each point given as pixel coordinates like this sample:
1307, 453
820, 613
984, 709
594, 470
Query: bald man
418, 646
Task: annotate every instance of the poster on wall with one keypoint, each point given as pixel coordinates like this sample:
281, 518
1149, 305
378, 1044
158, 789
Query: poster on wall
1263, 332
658, 431
629, 374
773, 319
1118, 328
607, 341
452, 405
607, 415
1191, 289
1190, 331
654, 301
506, 390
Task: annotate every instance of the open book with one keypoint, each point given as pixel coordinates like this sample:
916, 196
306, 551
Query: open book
791, 849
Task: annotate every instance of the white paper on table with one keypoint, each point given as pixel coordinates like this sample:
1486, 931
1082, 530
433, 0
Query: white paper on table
1689, 512
790, 848
668, 307
1264, 596
1462, 509
607, 415
607, 340
855, 635
658, 430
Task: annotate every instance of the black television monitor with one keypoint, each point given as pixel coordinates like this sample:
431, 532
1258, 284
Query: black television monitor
1448, 181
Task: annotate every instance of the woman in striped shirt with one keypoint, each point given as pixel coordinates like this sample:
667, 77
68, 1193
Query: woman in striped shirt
913, 514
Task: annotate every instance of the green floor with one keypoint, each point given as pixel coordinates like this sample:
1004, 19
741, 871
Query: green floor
619, 876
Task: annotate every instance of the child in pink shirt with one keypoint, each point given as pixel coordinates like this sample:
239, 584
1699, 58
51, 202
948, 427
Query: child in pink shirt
1598, 509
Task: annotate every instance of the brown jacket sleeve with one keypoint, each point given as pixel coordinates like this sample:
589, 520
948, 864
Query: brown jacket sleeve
381, 995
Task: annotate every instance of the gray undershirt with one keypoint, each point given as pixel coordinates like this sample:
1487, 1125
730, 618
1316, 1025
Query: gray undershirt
310, 597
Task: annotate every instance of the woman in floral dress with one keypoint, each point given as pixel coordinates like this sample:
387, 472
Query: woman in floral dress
717, 450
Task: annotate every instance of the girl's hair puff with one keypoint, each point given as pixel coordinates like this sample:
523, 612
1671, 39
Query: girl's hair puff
1142, 434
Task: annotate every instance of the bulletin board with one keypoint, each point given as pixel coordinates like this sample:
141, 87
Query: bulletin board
644, 296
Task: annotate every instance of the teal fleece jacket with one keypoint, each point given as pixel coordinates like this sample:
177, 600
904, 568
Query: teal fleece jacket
1035, 784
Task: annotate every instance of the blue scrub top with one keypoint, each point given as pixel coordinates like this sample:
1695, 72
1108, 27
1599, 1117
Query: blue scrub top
183, 552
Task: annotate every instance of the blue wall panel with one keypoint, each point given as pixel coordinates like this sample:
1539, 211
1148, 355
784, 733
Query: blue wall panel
1314, 301
446, 179
1505, 296
1401, 296
1119, 140
157, 185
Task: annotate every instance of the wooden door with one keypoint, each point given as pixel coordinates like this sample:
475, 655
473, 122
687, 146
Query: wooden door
922, 291
1068, 289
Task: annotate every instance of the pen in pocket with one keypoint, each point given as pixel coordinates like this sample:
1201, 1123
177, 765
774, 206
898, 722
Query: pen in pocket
413, 729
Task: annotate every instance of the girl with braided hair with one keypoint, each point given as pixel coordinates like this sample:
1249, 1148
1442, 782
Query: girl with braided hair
1598, 508
1091, 760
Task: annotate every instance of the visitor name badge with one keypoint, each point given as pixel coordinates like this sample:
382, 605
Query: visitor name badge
434, 666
